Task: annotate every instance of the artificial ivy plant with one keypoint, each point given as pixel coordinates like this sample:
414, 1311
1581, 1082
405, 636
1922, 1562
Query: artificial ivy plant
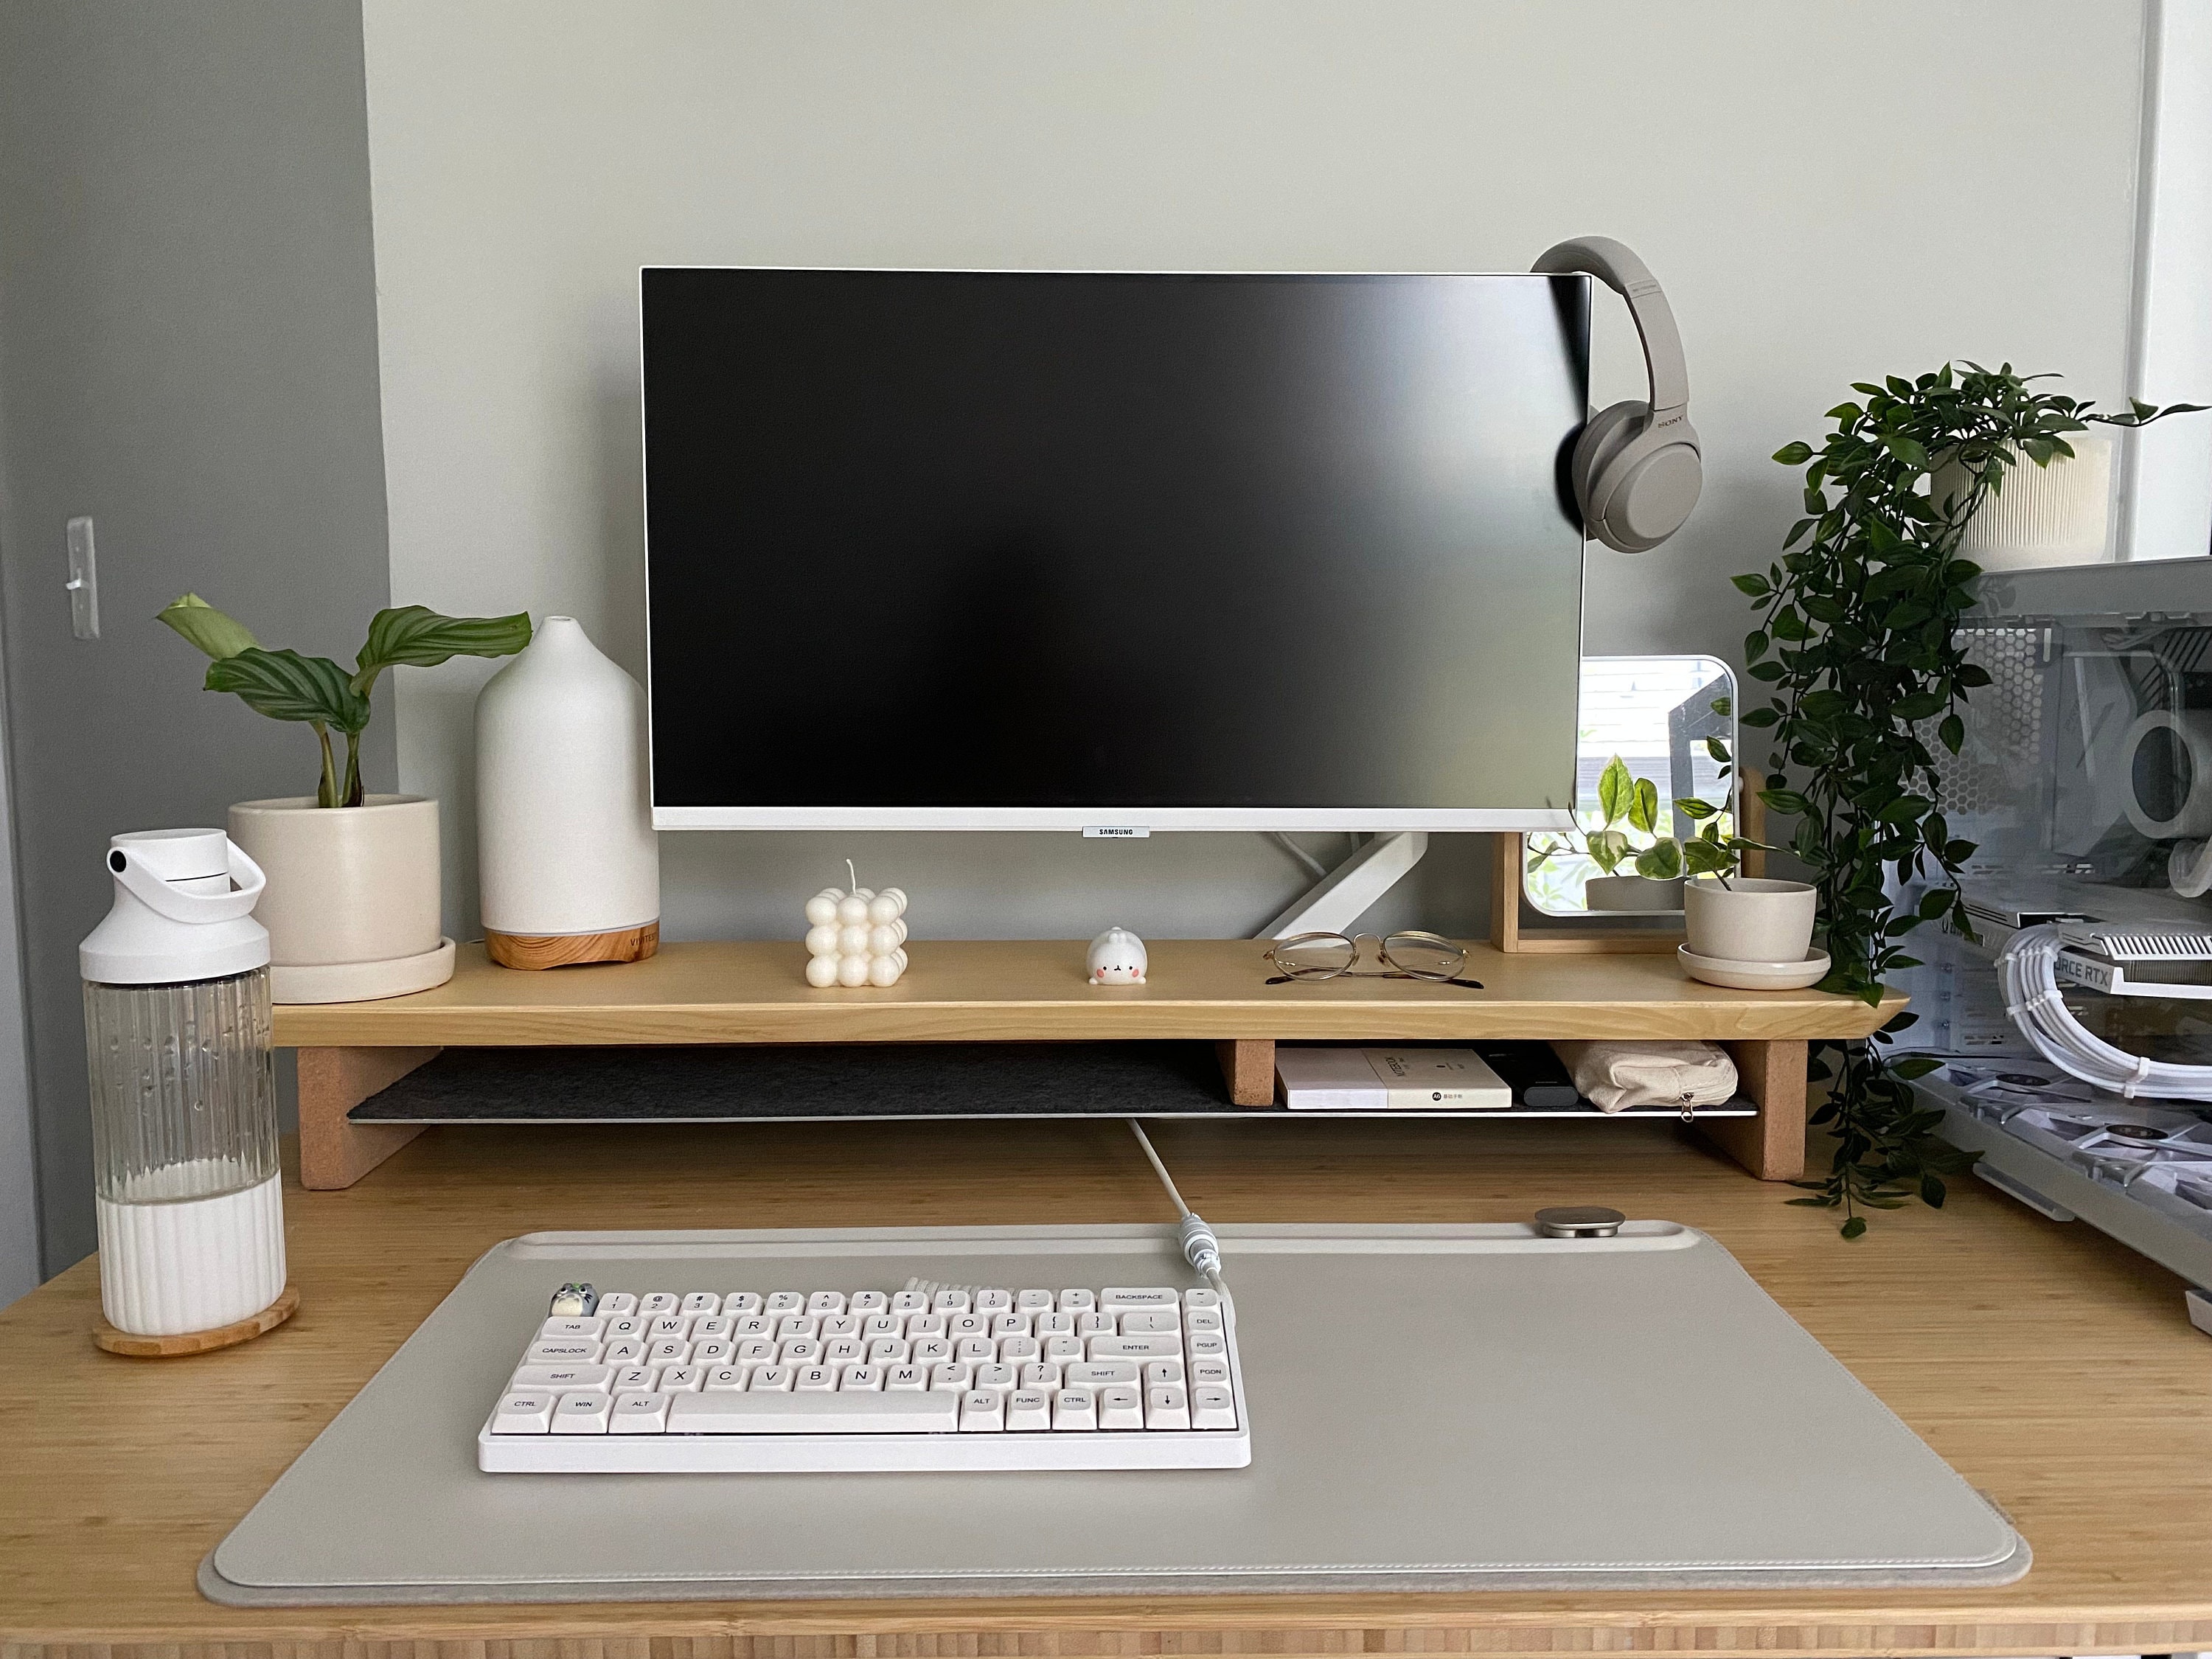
1859, 637
323, 694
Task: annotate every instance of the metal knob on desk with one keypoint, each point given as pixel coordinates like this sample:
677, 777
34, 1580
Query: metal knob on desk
1579, 1221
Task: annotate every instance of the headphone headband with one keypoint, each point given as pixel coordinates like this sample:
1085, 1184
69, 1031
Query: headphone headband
1620, 269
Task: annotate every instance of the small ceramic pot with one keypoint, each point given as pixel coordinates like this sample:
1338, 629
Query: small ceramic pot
1750, 920
1631, 893
352, 905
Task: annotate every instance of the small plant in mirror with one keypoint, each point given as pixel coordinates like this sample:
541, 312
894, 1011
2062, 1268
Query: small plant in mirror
1627, 834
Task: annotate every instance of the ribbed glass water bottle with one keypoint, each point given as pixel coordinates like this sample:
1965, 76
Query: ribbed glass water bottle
184, 1088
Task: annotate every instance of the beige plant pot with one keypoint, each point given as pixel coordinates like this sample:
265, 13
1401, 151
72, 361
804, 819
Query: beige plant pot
1750, 920
352, 905
1610, 893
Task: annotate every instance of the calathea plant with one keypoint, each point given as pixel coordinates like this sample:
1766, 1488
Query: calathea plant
324, 695
1859, 637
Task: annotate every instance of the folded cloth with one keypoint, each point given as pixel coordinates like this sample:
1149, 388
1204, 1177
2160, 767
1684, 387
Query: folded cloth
1614, 1076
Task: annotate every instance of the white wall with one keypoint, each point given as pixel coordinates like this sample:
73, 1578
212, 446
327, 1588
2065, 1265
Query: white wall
1830, 191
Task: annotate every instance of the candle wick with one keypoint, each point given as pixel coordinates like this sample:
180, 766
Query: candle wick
855, 874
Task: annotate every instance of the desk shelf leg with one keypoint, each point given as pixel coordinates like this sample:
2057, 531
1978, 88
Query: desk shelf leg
335, 1150
1248, 1068
1772, 1145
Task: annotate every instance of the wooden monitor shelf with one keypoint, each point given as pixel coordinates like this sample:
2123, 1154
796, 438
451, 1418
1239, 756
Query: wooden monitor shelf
1033, 990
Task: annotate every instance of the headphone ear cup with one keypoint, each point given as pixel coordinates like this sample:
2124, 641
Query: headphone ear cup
1609, 432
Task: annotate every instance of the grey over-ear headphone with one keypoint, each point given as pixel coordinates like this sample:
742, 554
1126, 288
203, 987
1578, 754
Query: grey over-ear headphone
1638, 467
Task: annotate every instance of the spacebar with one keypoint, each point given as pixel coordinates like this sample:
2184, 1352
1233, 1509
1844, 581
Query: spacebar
903, 1413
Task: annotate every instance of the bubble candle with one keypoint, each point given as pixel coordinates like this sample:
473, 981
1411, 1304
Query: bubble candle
855, 936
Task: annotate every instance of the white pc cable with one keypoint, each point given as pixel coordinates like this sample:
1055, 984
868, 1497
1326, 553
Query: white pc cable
1199, 1247
2027, 972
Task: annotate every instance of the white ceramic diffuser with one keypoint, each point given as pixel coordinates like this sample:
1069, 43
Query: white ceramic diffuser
566, 855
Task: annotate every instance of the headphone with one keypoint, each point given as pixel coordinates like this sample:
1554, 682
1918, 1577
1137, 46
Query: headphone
1637, 467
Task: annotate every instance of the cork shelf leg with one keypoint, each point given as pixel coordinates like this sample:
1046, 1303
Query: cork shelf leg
1248, 1068
1772, 1145
334, 1151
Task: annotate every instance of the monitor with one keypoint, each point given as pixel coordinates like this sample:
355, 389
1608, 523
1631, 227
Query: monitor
1112, 551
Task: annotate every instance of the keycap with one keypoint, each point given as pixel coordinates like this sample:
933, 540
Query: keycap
909, 1302
982, 1410
1200, 1296
1207, 1344
1077, 1301
622, 1353
1145, 1321
975, 1350
993, 1301
844, 1351
823, 1305
1166, 1408
841, 1325
906, 1377
780, 1303
1019, 1350
681, 1379
887, 1350
1163, 1373
952, 1377
867, 1302
658, 1301
1116, 1297
633, 1379
1074, 1408
793, 1325
769, 1379
1160, 1345
638, 1413
800, 1351
1028, 1408
740, 1302
997, 1378
568, 1352
925, 1324
754, 1351
812, 1378
1121, 1407
624, 1328
1098, 1373
889, 1412
523, 1411
1035, 1301
1041, 1374
1063, 1347
716, 1326
1209, 1373
670, 1350
668, 1325
744, 1325
1094, 1324
876, 1327
1212, 1408
1201, 1319
617, 1302
965, 1324
1053, 1324
858, 1379
712, 1354
592, 1330
728, 1376
700, 1302
931, 1351
584, 1412
560, 1379
949, 1301
1010, 1324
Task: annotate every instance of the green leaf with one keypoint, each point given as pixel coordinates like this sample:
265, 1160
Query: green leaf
1952, 733
1794, 455
1762, 717
1698, 810
1914, 1065
1643, 806
1701, 857
1717, 750
1661, 862
287, 686
1854, 1227
1933, 1191
1607, 848
1616, 791
219, 635
1788, 802
1757, 587
419, 637
1934, 905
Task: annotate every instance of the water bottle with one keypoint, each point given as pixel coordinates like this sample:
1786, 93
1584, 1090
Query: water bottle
183, 1087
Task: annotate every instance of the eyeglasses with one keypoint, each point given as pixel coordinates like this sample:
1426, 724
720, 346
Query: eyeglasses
1428, 956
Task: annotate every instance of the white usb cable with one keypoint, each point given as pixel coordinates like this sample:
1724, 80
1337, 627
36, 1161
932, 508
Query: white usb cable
1199, 1247
2027, 969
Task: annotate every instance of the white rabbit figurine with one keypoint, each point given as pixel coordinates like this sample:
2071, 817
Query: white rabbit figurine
1117, 958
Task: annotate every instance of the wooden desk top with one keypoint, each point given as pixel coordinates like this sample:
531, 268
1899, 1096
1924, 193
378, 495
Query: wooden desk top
1033, 991
2053, 1368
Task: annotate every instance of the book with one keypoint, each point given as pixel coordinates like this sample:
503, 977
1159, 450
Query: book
1324, 1079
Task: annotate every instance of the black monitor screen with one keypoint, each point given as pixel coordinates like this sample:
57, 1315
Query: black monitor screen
1143, 545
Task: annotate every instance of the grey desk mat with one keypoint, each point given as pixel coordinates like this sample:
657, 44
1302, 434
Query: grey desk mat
1433, 1407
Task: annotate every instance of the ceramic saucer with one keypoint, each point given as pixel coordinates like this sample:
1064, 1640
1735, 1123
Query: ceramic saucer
1755, 975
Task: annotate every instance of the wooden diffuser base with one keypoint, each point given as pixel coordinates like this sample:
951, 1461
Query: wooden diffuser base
570, 950
171, 1347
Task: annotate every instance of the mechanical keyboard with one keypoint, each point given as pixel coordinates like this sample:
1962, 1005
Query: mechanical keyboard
927, 1377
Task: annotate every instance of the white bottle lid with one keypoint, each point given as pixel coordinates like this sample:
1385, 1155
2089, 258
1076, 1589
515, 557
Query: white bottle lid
183, 910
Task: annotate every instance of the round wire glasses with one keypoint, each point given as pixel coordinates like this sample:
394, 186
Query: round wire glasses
1428, 956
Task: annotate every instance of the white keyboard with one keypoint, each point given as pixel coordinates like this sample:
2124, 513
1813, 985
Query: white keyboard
649, 1381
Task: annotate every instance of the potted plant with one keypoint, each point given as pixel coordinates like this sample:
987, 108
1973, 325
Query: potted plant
1628, 834
1858, 636
353, 902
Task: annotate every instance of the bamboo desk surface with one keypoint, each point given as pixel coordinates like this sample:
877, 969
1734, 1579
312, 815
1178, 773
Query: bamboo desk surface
1033, 990
2054, 1369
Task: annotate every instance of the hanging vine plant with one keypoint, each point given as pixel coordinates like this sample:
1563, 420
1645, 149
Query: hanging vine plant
1858, 638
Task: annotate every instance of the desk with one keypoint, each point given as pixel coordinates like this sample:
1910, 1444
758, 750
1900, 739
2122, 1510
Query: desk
2050, 1366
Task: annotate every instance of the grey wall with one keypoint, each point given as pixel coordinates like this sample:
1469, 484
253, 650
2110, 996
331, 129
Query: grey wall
1829, 190
187, 353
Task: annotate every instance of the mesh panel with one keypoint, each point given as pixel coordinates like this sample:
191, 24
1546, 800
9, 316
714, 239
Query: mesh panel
2004, 726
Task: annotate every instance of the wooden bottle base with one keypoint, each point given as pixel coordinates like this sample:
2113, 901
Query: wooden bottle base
570, 950
170, 1347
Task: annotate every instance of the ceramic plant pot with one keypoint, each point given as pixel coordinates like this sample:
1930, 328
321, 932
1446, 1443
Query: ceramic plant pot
352, 905
1631, 893
566, 854
1750, 920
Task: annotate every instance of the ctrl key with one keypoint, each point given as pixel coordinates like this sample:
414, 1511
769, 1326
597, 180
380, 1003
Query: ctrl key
524, 1413
583, 1411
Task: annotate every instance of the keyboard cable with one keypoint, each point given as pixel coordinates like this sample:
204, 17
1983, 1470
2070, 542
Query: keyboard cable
1199, 1247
